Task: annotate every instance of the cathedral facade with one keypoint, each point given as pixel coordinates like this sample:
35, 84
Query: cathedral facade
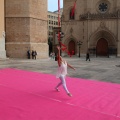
94, 26
23, 27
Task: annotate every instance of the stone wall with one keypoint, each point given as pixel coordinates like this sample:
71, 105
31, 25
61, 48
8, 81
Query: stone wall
2, 31
26, 28
17, 8
38, 27
38, 9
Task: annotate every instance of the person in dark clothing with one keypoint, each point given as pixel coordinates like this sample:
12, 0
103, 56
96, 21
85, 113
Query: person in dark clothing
35, 54
88, 56
55, 56
28, 54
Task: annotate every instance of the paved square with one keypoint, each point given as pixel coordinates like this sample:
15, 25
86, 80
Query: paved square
104, 69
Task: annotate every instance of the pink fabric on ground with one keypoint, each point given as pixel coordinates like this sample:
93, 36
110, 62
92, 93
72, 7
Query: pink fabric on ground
26, 95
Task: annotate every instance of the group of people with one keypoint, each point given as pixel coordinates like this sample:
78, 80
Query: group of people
32, 53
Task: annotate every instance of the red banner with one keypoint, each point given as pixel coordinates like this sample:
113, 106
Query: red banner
73, 9
64, 47
59, 20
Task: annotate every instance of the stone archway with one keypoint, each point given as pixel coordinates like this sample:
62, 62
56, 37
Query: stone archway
71, 47
71, 43
102, 47
102, 39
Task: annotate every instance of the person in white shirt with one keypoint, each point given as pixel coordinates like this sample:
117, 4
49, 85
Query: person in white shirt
62, 72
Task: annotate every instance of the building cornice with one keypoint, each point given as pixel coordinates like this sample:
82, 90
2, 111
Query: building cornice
94, 16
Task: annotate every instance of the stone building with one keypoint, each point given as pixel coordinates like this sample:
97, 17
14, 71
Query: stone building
25, 26
2, 31
95, 24
52, 25
53, 22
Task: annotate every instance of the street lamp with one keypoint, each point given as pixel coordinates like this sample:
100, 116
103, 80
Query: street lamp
79, 44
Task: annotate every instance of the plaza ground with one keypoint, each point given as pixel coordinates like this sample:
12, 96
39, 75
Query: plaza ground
100, 68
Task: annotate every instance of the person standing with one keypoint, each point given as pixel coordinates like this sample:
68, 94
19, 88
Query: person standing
62, 72
88, 56
28, 54
53, 55
35, 54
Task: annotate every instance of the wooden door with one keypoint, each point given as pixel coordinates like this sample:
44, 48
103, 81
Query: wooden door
71, 47
102, 47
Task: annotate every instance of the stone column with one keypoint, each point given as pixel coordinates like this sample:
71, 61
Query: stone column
118, 34
88, 32
118, 47
2, 31
118, 50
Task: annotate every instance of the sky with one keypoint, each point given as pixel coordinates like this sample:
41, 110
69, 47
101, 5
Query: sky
53, 5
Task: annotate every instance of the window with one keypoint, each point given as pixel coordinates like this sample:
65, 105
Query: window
103, 7
51, 17
56, 23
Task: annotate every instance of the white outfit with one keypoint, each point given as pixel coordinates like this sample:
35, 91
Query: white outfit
61, 73
62, 70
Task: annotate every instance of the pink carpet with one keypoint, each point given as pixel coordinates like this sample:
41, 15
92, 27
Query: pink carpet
26, 95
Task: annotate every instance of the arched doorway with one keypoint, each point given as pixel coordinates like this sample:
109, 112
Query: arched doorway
71, 47
102, 47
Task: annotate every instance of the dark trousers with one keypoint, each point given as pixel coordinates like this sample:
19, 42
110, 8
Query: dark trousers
87, 58
55, 58
28, 56
35, 56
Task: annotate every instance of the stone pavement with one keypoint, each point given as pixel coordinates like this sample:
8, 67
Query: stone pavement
104, 69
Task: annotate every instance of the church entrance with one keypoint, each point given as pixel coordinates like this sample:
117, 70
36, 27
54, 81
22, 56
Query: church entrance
102, 47
71, 47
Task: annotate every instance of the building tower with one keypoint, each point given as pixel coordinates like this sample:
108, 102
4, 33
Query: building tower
2, 31
26, 27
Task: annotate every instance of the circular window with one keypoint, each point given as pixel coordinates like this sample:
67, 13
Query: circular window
103, 6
